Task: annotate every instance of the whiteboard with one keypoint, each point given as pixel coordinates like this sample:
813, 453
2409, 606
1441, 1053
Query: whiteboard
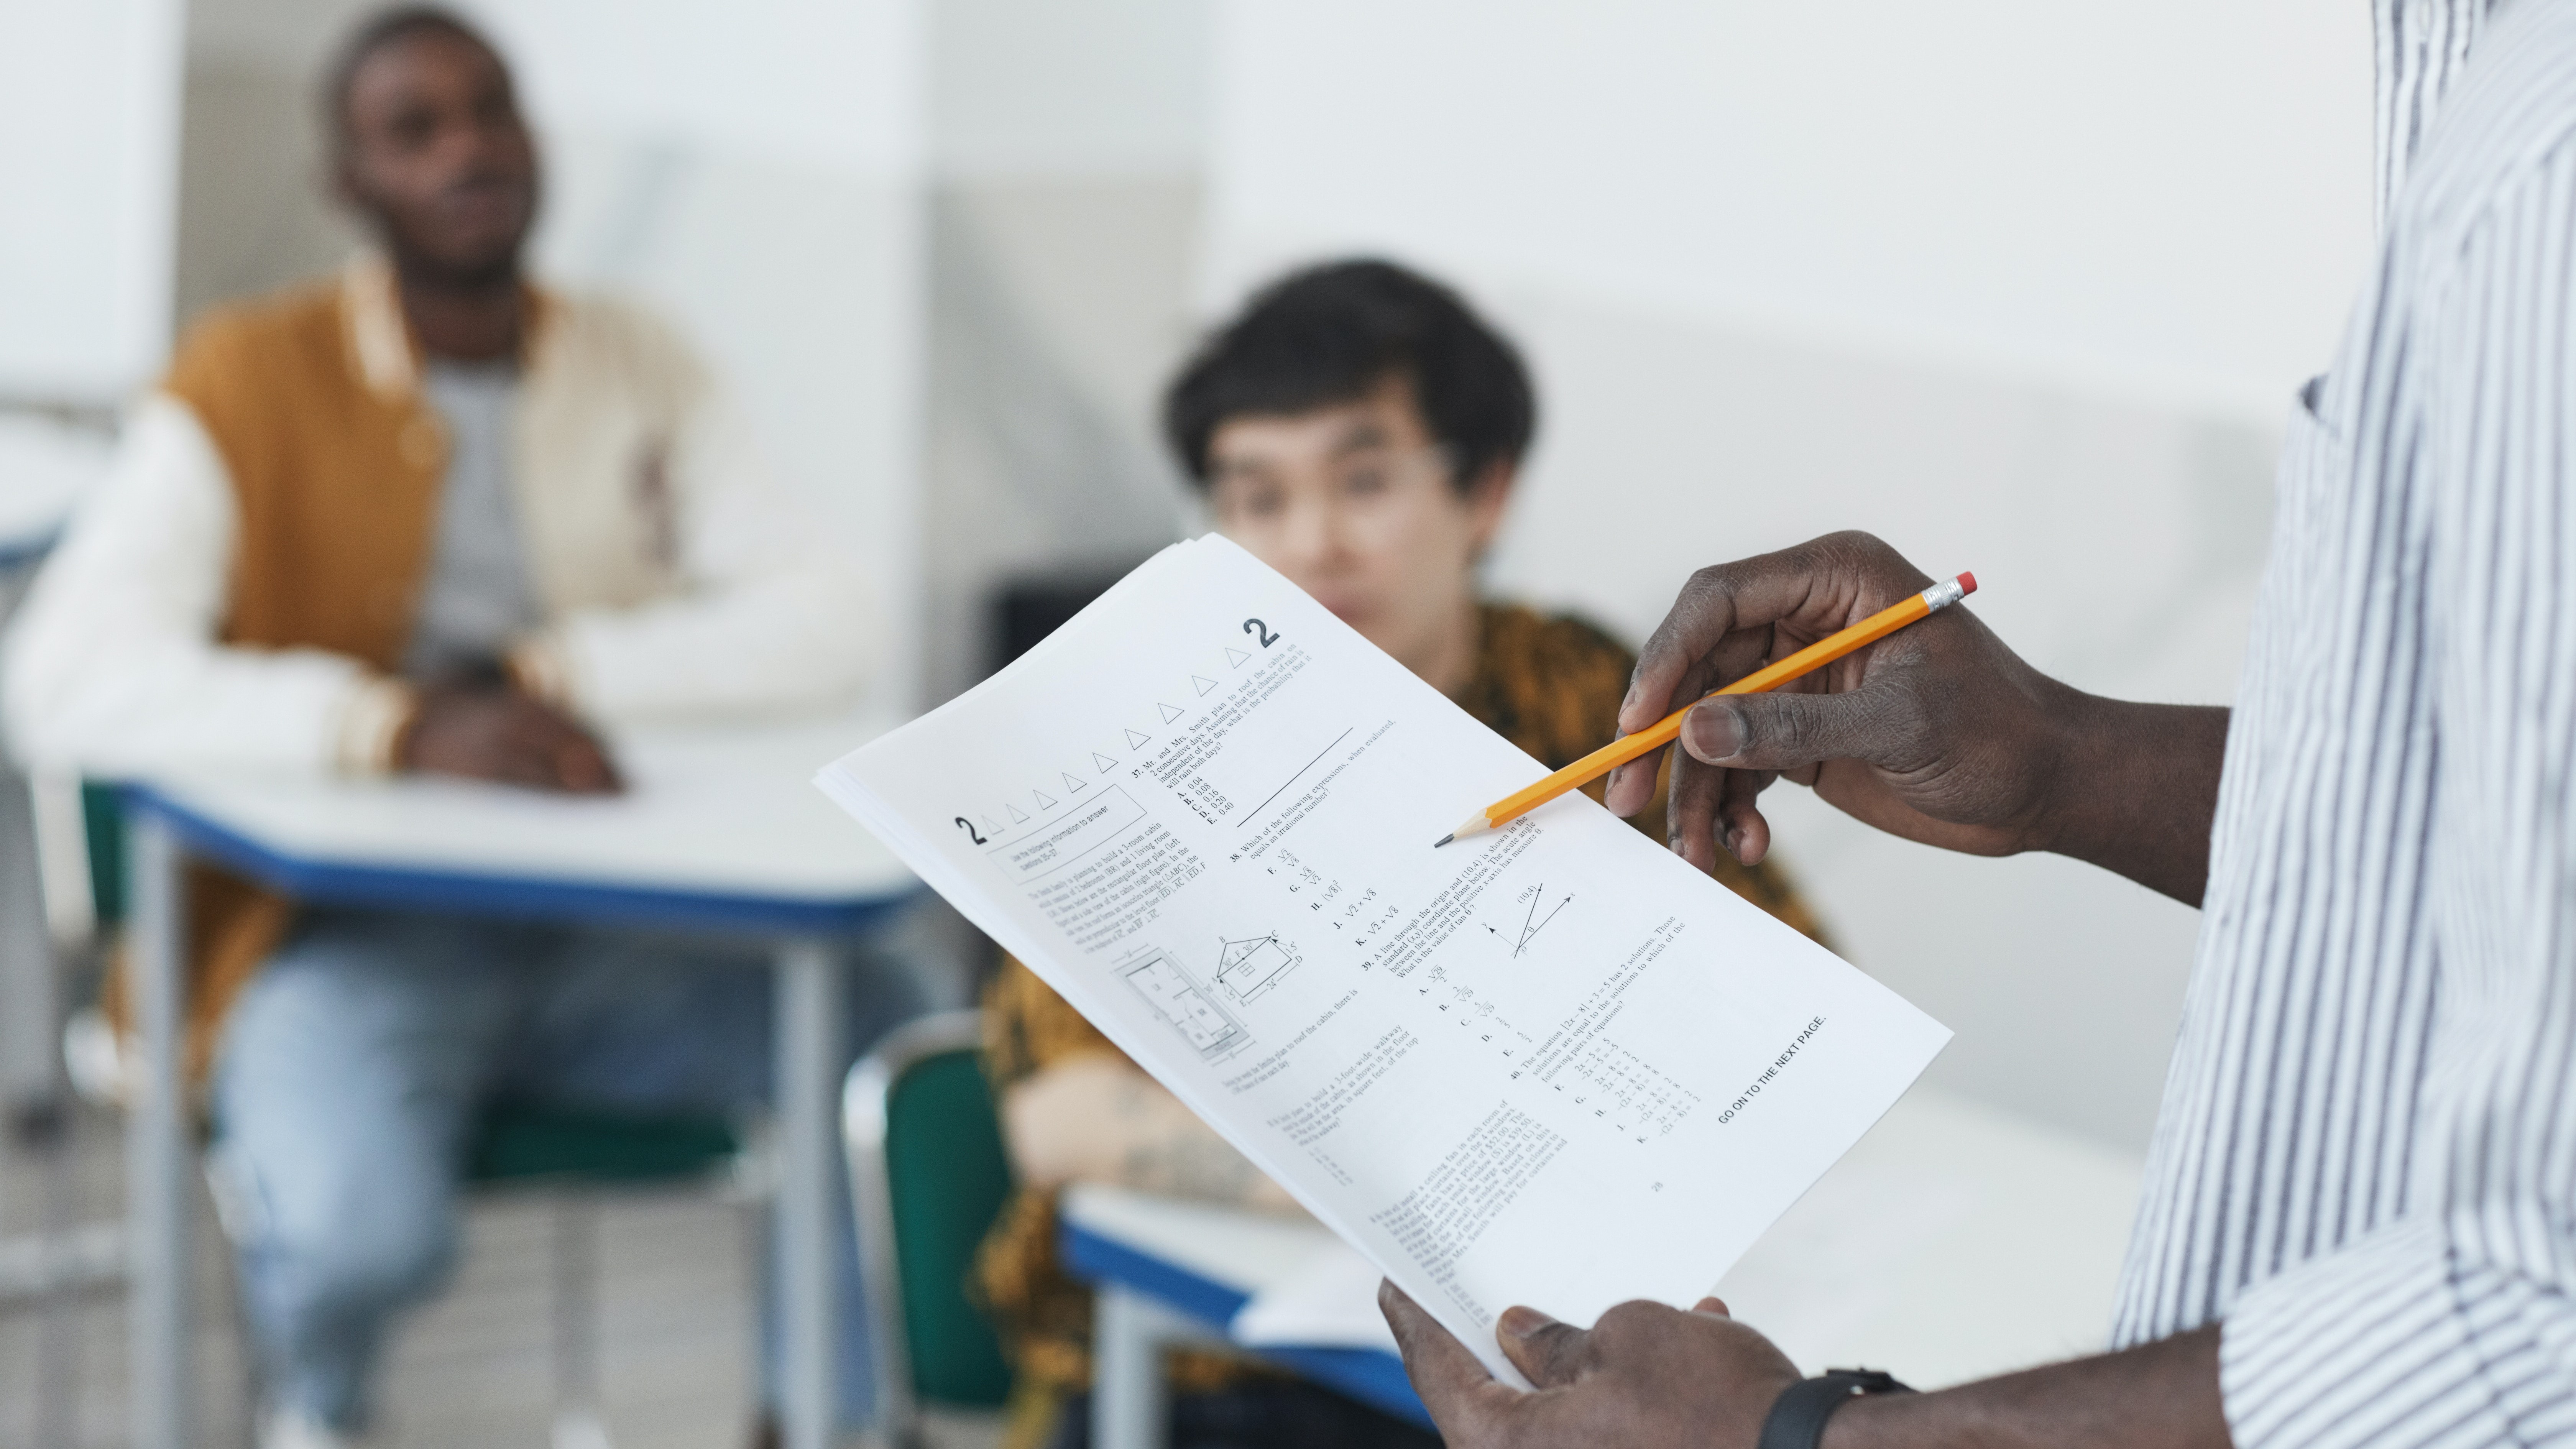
89, 158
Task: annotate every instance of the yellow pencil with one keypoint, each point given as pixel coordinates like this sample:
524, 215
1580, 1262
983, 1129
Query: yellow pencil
1663, 732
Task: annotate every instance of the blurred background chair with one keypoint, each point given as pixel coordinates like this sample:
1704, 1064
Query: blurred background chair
581, 1161
928, 1175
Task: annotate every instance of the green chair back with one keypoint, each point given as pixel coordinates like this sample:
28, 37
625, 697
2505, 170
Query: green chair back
947, 1179
103, 825
517, 1143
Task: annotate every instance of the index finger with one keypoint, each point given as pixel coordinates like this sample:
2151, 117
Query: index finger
1818, 586
1464, 1398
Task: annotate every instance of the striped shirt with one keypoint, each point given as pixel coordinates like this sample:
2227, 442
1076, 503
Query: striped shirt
2366, 1162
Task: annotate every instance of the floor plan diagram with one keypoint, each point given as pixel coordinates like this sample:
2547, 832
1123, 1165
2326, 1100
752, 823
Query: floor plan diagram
1183, 1004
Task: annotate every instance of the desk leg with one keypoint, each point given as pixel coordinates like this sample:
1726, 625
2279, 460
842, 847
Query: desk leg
809, 1041
157, 1139
1130, 1402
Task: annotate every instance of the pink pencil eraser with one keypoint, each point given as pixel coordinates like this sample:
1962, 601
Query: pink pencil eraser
1967, 585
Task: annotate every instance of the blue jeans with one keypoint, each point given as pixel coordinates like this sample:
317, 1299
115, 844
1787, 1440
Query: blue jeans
353, 1068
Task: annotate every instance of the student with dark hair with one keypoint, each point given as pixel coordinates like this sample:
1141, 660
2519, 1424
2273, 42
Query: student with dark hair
1359, 428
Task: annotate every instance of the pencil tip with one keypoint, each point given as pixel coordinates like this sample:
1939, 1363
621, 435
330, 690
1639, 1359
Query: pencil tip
1444, 840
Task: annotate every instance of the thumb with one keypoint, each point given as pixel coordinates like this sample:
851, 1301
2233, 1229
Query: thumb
1781, 732
1550, 1354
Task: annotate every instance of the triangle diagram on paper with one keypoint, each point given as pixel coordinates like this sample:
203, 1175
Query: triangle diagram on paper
1204, 685
1236, 657
990, 826
1105, 763
1136, 741
1017, 816
1043, 802
1071, 783
1169, 714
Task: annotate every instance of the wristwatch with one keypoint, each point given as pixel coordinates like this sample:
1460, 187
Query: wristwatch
1797, 1418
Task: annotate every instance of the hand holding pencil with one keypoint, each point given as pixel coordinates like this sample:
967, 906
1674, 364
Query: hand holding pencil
1664, 731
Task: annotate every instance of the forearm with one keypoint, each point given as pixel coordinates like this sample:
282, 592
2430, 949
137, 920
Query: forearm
1097, 1119
770, 609
2161, 1395
798, 641
112, 714
2136, 789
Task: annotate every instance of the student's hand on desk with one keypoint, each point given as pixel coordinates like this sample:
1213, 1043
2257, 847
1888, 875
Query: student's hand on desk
1937, 733
1645, 1376
488, 733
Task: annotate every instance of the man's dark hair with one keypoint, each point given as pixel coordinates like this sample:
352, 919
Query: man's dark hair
373, 34
1331, 334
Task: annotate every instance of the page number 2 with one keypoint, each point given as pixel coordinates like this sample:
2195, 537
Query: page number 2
969, 827
1256, 627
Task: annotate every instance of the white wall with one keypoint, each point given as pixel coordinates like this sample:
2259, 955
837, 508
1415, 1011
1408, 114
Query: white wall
2020, 286
1067, 143
2171, 196
89, 109
1068, 88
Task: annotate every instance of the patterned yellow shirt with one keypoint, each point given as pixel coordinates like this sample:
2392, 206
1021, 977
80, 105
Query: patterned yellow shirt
1549, 685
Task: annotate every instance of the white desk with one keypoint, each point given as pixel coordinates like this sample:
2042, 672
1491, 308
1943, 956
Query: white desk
46, 466
1953, 1242
1166, 1272
719, 831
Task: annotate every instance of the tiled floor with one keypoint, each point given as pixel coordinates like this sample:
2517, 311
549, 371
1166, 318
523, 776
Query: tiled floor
472, 1371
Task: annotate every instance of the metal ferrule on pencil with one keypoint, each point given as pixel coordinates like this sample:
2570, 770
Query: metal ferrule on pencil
1945, 593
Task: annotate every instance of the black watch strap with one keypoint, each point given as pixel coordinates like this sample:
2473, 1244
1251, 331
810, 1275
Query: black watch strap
1797, 1418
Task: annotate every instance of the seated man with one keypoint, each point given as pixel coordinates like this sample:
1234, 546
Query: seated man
1358, 429
425, 516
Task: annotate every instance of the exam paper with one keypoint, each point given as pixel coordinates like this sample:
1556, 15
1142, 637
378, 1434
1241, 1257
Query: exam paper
1551, 1065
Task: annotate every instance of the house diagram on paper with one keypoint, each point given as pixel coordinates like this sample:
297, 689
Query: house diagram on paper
1251, 966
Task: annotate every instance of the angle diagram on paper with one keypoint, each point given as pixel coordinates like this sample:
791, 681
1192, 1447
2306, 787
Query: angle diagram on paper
1534, 920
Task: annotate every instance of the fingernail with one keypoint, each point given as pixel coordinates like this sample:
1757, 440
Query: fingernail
1715, 732
1522, 1322
1675, 842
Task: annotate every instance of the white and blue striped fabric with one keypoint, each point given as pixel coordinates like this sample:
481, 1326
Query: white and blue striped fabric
2366, 1163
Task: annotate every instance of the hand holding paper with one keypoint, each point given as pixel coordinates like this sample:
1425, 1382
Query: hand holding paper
1553, 1064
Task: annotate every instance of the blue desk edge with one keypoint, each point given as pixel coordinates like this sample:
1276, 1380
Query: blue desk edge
1373, 1377
471, 893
